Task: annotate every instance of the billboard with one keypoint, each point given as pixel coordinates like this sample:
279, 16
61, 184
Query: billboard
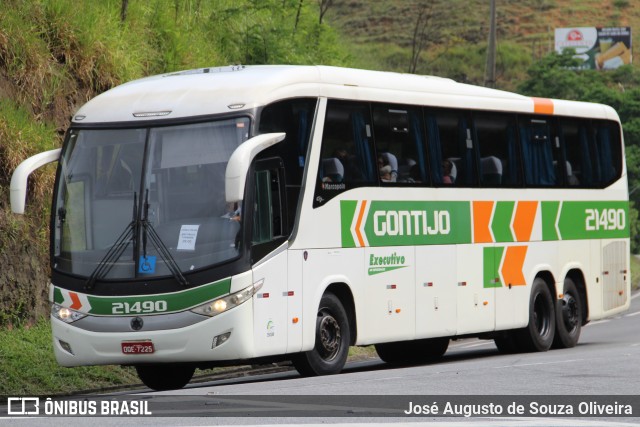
600, 48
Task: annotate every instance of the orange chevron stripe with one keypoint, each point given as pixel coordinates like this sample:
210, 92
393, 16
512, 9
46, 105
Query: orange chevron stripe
359, 223
523, 220
481, 221
76, 301
512, 266
542, 106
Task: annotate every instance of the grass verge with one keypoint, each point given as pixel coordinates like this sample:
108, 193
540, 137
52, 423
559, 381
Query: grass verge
29, 366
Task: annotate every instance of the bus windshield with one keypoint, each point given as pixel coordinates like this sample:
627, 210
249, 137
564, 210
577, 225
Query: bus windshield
146, 202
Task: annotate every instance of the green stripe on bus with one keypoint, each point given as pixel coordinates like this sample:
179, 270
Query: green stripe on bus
594, 220
58, 298
347, 213
549, 215
501, 224
158, 303
404, 223
491, 257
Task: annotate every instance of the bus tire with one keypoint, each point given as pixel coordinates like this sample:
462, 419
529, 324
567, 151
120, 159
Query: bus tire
539, 333
408, 352
506, 342
433, 349
396, 353
568, 316
333, 336
166, 376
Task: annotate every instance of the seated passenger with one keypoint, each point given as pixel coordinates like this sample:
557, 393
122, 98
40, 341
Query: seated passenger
446, 172
385, 173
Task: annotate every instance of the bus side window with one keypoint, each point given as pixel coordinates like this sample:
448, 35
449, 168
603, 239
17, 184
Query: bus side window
593, 158
269, 213
450, 148
499, 161
400, 144
346, 156
539, 153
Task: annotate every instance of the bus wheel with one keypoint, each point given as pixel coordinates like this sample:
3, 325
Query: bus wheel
568, 317
433, 348
332, 341
165, 377
402, 352
506, 342
418, 351
539, 333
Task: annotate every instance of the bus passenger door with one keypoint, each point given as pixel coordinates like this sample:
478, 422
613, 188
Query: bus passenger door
269, 257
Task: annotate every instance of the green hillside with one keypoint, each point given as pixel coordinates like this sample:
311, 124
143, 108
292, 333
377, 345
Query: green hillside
381, 33
57, 54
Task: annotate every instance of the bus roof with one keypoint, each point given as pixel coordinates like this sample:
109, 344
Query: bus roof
208, 91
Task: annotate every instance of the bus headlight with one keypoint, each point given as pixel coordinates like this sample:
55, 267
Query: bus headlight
66, 314
220, 305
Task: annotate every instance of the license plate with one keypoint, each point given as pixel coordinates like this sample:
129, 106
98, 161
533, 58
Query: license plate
137, 347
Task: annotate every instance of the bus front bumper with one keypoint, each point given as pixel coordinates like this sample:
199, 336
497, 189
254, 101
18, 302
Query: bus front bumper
200, 342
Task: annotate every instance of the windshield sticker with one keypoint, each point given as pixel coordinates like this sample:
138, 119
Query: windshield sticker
147, 264
188, 236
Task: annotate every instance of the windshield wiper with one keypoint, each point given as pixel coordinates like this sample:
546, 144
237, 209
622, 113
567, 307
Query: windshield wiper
115, 251
162, 249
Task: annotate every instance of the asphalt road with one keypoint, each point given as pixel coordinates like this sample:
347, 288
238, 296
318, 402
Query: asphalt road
605, 362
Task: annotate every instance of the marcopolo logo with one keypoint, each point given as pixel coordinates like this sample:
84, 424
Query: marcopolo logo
382, 264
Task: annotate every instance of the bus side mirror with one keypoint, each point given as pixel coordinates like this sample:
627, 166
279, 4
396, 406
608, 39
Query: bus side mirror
240, 161
21, 174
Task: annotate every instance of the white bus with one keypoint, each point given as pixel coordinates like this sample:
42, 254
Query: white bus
226, 215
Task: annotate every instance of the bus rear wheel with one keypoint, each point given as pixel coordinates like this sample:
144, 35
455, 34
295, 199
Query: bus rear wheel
333, 336
539, 333
165, 377
506, 342
408, 352
568, 317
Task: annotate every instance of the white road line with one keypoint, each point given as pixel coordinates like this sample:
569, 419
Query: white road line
539, 363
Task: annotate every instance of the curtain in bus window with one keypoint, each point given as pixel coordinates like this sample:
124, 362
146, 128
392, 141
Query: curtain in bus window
302, 137
512, 170
465, 174
537, 155
416, 130
604, 151
585, 158
435, 151
363, 152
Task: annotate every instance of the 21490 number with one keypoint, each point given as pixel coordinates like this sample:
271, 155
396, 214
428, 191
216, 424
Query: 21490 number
138, 307
607, 219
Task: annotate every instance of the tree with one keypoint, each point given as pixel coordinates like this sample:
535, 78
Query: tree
324, 6
123, 10
426, 32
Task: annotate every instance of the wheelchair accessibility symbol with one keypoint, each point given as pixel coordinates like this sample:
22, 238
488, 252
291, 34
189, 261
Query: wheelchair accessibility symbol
147, 265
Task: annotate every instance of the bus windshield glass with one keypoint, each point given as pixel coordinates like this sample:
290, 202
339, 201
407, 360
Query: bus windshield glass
140, 203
